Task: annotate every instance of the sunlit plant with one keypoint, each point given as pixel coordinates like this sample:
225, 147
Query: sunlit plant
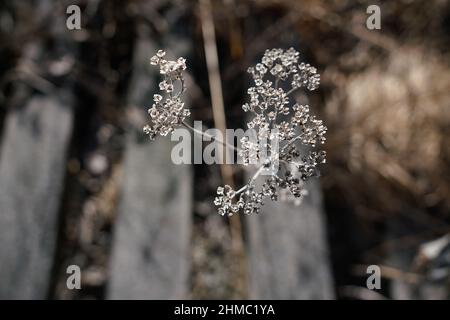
285, 132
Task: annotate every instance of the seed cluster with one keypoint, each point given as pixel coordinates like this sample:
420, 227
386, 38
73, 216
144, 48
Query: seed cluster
274, 119
167, 112
282, 131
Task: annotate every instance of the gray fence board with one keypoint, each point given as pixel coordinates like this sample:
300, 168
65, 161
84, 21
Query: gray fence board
32, 167
151, 243
288, 250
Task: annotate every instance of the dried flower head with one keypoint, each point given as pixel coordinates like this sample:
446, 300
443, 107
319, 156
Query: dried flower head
282, 130
167, 111
274, 119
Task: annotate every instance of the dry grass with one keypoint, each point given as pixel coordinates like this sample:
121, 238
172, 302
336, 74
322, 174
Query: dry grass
390, 132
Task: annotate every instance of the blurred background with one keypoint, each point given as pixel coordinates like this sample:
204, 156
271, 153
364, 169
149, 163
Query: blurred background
81, 185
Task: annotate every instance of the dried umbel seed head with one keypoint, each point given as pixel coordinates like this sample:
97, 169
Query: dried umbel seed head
167, 111
281, 129
275, 119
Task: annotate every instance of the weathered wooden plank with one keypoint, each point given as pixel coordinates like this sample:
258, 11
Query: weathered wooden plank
151, 242
33, 153
31, 173
287, 245
288, 250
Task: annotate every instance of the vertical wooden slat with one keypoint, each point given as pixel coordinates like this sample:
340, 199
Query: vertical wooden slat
288, 250
31, 173
35, 139
151, 243
287, 245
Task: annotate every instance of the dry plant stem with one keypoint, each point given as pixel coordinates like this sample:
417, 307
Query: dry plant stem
256, 175
210, 47
225, 144
291, 142
290, 91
